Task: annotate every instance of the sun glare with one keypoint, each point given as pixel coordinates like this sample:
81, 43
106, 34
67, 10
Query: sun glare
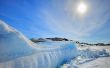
81, 8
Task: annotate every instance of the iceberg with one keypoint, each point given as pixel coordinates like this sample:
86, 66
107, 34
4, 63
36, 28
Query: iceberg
17, 51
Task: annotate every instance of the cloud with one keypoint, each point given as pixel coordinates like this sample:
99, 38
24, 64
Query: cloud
66, 20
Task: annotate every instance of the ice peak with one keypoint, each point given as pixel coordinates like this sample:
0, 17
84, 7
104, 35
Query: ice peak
12, 42
4, 28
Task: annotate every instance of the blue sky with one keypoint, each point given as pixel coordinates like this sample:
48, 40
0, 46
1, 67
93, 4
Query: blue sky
58, 18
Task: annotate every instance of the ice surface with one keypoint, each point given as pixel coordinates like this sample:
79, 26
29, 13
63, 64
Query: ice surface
90, 57
16, 51
103, 62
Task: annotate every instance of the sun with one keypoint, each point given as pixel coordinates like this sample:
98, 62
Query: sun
81, 8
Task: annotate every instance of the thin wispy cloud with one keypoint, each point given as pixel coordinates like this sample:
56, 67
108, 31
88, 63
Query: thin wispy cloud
78, 26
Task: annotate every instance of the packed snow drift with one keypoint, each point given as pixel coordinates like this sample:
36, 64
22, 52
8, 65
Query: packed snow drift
16, 51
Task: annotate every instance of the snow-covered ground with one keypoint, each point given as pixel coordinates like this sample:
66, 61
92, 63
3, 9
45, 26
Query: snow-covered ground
103, 62
90, 57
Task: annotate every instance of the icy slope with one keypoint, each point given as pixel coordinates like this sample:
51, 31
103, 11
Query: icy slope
16, 51
12, 43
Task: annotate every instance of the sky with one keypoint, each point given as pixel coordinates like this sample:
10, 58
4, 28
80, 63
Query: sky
59, 18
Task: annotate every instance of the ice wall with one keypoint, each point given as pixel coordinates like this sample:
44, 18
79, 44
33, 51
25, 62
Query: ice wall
16, 51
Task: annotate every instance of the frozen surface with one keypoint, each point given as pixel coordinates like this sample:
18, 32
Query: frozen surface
16, 51
90, 57
103, 62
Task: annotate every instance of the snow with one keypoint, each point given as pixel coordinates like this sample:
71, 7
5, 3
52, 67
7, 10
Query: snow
90, 57
17, 51
103, 62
